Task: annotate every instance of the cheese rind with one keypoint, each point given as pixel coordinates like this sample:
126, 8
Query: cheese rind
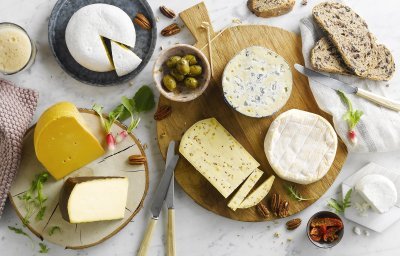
86, 28
216, 154
62, 142
300, 146
125, 61
258, 194
244, 190
378, 191
89, 199
257, 82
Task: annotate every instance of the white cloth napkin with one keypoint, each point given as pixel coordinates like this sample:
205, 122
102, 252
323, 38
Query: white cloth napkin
379, 128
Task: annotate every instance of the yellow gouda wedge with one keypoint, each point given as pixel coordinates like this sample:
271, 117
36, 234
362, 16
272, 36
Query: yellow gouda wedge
62, 142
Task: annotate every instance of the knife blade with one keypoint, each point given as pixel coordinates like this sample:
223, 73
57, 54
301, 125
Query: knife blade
347, 88
169, 200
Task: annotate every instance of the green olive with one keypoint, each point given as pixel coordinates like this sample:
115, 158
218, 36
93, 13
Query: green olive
191, 58
178, 76
191, 82
195, 70
182, 66
171, 62
169, 82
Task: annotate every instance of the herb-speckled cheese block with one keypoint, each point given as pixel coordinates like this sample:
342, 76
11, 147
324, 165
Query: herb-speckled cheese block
216, 154
244, 190
258, 194
257, 82
300, 146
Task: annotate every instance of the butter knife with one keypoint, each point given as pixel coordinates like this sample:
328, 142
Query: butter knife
347, 88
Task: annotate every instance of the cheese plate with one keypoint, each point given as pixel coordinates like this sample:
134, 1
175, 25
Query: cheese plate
144, 47
114, 163
248, 131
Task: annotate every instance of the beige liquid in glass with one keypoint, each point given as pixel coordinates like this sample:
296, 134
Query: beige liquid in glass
15, 49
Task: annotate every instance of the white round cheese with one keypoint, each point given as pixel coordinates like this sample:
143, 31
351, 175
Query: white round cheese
125, 61
89, 25
378, 191
300, 146
257, 82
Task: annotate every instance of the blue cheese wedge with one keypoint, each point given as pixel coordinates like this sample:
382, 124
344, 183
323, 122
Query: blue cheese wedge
216, 154
378, 191
257, 82
258, 194
87, 28
244, 190
300, 146
125, 61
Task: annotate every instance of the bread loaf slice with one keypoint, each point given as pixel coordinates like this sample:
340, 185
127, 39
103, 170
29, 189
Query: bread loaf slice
270, 8
325, 57
349, 33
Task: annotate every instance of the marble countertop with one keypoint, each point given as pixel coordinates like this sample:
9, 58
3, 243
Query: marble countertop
199, 232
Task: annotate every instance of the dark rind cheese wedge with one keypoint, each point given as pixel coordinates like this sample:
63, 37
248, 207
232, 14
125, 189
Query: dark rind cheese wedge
89, 199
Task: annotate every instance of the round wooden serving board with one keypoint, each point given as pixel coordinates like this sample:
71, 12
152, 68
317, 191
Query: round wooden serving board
250, 132
79, 236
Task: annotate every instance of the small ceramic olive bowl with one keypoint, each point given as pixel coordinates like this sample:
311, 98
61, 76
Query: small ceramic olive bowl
322, 244
182, 94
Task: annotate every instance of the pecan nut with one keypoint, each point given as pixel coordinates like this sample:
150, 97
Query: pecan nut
293, 224
136, 160
171, 30
283, 209
142, 21
167, 12
263, 210
275, 202
162, 112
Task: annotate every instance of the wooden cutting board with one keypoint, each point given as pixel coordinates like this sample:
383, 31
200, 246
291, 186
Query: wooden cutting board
250, 132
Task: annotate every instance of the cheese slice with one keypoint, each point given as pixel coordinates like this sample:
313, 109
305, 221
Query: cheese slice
300, 146
125, 61
258, 194
89, 199
216, 154
238, 198
378, 191
89, 25
257, 82
62, 142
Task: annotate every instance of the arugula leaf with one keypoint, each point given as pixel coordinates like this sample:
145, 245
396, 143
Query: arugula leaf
19, 231
135, 119
53, 229
144, 99
351, 116
43, 248
296, 195
340, 207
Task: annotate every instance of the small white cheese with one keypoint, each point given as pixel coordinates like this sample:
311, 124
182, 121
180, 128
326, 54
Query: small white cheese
258, 194
300, 146
257, 82
378, 191
86, 28
125, 61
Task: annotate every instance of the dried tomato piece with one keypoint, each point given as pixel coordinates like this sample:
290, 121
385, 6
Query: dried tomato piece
316, 234
327, 222
331, 235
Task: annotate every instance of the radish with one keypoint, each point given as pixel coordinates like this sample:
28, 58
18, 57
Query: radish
352, 117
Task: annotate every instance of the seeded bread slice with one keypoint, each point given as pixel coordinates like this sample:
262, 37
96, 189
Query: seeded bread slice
325, 57
349, 33
270, 8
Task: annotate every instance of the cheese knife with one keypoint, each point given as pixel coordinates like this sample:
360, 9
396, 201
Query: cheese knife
159, 198
169, 200
347, 88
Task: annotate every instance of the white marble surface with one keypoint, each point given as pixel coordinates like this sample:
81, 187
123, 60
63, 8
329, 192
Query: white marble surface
199, 232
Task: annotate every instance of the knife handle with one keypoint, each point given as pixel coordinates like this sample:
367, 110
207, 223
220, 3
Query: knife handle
171, 233
144, 246
380, 100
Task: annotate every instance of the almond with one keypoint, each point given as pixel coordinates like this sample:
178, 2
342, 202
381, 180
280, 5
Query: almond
142, 21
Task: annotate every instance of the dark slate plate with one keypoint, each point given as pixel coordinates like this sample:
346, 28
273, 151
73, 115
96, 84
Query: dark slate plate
144, 47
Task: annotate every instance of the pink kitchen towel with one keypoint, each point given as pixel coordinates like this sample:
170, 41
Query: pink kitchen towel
17, 106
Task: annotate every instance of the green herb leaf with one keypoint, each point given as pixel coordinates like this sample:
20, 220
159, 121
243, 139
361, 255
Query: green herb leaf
340, 207
53, 229
19, 231
99, 110
352, 117
112, 117
296, 195
144, 99
135, 119
347, 199
43, 248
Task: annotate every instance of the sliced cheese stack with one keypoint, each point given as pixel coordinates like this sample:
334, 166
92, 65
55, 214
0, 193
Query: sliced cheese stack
217, 155
125, 61
300, 146
257, 82
87, 28
378, 191
62, 142
89, 199
258, 194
